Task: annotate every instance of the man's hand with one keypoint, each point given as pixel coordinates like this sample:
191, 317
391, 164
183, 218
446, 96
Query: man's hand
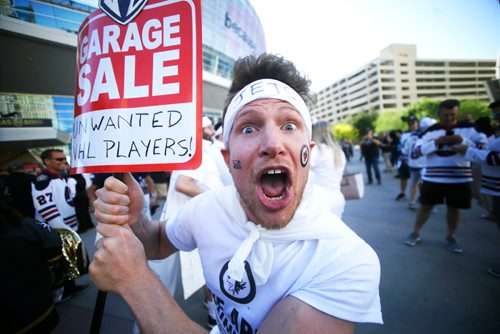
449, 140
460, 148
119, 260
119, 202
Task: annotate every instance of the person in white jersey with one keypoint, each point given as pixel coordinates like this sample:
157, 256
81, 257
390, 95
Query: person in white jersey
416, 161
327, 164
447, 176
490, 167
274, 257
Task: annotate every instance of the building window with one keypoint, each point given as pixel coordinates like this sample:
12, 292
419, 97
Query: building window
463, 72
430, 87
431, 95
429, 63
429, 72
208, 61
389, 97
389, 105
461, 64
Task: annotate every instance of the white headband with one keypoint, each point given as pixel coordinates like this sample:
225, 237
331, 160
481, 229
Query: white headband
261, 89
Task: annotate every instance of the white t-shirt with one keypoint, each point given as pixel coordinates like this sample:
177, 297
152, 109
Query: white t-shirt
338, 276
207, 176
324, 173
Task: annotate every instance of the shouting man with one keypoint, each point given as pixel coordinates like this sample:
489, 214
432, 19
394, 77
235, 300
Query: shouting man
274, 257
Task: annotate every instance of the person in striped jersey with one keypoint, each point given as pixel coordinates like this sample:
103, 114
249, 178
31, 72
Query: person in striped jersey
53, 194
53, 197
490, 167
447, 177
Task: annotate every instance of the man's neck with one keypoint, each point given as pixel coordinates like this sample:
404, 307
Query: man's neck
53, 172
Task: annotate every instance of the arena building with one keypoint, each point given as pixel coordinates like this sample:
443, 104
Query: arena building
38, 62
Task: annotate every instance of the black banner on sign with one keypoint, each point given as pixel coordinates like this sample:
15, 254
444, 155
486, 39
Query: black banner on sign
25, 122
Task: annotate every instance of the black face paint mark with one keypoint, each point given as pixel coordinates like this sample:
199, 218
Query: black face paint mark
236, 164
304, 155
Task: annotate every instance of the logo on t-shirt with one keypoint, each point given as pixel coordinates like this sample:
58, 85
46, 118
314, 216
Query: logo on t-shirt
243, 291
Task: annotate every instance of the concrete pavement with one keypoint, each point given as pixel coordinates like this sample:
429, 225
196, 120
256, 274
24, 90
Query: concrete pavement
424, 289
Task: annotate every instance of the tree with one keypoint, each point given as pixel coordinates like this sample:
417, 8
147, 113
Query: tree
429, 108
344, 131
390, 120
423, 108
363, 121
475, 108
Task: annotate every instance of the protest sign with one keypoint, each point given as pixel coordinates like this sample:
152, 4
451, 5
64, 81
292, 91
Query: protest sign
138, 88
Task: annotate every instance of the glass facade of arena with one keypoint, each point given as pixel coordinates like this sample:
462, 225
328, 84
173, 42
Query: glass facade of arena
231, 29
60, 14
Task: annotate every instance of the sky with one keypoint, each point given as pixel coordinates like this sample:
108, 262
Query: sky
329, 39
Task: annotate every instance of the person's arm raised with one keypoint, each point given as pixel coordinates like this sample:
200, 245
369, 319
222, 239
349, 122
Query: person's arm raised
120, 203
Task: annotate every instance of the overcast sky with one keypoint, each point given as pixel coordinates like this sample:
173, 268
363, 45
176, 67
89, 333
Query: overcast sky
328, 39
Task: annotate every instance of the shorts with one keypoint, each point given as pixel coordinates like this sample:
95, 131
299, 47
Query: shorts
404, 171
415, 176
455, 195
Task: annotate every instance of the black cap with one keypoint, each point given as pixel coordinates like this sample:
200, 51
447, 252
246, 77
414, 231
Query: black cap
412, 119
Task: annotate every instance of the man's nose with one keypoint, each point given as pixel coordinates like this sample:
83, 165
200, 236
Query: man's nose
272, 142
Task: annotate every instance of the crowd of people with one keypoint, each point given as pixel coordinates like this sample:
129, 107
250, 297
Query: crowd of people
42, 213
262, 213
438, 159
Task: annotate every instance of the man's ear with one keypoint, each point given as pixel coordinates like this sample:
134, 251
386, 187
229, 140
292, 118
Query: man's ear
311, 145
225, 155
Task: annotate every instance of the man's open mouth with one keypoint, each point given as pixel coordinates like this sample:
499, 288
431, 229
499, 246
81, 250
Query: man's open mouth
274, 183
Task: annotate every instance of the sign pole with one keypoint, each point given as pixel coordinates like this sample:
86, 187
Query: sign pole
100, 302
138, 92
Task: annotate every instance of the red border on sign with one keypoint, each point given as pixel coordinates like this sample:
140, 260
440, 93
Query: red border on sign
194, 95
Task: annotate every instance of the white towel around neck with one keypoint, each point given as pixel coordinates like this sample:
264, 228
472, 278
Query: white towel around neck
312, 220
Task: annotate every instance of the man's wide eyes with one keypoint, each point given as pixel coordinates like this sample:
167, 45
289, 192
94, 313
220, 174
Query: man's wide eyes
247, 129
286, 127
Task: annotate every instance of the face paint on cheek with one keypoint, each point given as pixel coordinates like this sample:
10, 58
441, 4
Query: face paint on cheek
236, 164
304, 155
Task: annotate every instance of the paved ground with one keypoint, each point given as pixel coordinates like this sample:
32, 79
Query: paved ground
425, 289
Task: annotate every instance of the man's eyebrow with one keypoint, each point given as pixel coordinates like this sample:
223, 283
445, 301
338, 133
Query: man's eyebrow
245, 112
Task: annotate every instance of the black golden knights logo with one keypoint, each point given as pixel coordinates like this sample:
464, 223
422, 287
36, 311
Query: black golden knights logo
243, 291
122, 11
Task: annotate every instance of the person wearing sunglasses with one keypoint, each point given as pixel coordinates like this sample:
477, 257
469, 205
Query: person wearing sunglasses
53, 197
